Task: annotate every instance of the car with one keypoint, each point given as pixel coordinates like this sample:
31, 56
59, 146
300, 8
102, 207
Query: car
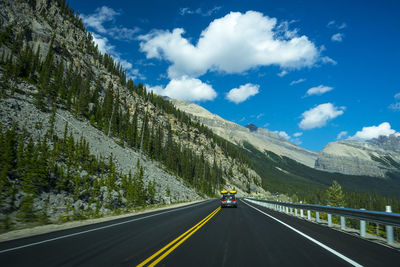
228, 199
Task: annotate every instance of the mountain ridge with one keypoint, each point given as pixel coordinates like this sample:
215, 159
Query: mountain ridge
263, 139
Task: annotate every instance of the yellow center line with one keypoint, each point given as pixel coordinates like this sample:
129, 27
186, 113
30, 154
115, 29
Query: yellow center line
188, 233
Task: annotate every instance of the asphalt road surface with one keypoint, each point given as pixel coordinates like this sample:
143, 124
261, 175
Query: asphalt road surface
201, 234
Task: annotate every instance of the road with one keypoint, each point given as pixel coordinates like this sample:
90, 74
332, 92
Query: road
247, 236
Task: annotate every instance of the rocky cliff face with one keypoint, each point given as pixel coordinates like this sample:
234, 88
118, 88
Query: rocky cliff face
375, 157
56, 35
260, 138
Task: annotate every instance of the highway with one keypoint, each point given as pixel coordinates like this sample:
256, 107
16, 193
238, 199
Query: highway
200, 234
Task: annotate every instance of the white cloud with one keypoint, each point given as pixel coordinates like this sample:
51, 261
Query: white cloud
327, 60
297, 81
199, 11
283, 134
395, 106
282, 73
101, 15
319, 90
374, 131
331, 24
260, 115
294, 140
232, 44
122, 33
338, 37
318, 117
238, 95
341, 135
106, 14
135, 74
105, 47
186, 88
102, 44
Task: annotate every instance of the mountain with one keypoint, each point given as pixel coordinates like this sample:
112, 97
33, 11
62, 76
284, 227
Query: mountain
260, 138
288, 168
379, 157
78, 140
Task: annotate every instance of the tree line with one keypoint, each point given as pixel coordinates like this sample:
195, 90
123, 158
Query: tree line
63, 165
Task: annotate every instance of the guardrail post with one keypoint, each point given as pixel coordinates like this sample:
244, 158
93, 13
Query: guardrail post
362, 227
309, 215
291, 211
295, 212
329, 220
317, 217
342, 223
287, 210
301, 210
389, 228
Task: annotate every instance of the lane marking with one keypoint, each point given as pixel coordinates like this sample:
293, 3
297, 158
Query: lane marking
343, 257
178, 241
96, 229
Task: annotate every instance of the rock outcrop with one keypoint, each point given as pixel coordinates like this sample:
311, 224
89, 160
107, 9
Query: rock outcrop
375, 157
260, 138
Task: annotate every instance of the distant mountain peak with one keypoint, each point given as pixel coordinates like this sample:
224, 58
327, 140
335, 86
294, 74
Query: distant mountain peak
252, 127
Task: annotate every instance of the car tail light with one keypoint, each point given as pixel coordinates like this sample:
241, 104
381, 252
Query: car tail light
233, 200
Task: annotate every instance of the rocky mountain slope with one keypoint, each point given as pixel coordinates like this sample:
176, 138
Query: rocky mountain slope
260, 138
132, 148
377, 157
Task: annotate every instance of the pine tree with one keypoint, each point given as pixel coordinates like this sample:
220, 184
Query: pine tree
335, 195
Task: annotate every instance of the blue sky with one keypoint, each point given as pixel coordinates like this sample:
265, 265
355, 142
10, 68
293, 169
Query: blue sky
311, 70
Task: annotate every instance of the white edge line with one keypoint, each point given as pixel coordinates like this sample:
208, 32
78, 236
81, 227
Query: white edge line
343, 257
96, 229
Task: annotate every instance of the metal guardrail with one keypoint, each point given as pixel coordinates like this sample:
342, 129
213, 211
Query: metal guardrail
386, 218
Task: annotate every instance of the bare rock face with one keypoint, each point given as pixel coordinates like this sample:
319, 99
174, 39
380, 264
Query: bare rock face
375, 157
260, 138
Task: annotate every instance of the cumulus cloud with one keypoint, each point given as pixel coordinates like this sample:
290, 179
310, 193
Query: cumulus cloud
186, 88
106, 14
374, 131
319, 90
232, 44
397, 96
341, 135
338, 37
297, 81
342, 26
241, 94
298, 134
318, 117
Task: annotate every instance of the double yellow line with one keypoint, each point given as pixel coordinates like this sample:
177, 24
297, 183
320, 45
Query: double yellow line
177, 241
